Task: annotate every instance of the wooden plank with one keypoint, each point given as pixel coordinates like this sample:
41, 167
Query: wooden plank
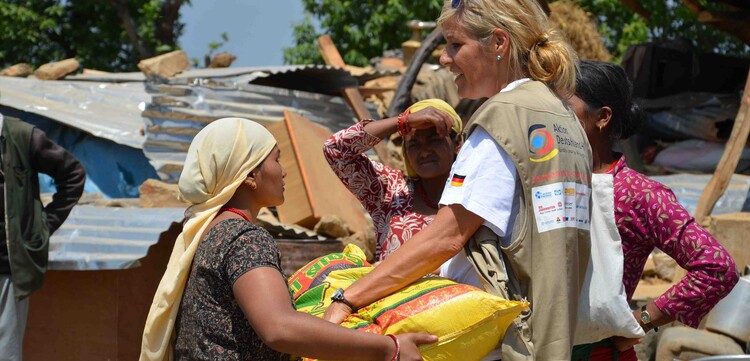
296, 208
329, 52
313, 190
728, 163
352, 95
332, 57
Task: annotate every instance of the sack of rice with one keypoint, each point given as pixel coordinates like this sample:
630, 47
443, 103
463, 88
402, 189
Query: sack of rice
468, 321
314, 273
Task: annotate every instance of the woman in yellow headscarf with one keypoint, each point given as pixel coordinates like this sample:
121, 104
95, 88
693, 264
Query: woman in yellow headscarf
223, 295
400, 204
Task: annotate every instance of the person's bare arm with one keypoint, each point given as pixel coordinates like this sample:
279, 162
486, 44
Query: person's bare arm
264, 298
424, 119
422, 254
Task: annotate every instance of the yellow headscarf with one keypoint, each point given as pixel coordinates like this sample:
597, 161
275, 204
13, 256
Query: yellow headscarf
437, 104
219, 159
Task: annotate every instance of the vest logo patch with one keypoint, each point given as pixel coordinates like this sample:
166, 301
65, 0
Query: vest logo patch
457, 180
541, 144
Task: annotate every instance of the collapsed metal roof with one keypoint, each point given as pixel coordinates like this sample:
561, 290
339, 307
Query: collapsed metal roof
106, 110
100, 238
162, 118
317, 78
109, 238
178, 112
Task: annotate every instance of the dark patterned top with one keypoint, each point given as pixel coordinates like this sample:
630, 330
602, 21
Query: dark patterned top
210, 324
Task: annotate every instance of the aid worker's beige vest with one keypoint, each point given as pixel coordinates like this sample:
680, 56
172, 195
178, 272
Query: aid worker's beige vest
546, 260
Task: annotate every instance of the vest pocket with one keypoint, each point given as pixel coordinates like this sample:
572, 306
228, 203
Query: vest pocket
37, 242
20, 175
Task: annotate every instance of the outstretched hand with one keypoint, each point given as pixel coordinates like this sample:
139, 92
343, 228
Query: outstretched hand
431, 117
409, 345
409, 342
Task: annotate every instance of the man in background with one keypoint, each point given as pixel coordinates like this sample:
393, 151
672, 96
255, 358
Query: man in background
25, 223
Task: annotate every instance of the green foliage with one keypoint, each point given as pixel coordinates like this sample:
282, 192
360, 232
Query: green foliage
40, 31
621, 27
360, 29
363, 29
306, 51
212, 48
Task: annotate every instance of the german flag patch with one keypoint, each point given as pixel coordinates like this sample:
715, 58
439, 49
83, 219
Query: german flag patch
457, 180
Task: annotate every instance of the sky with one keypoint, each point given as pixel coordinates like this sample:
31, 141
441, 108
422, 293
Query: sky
258, 30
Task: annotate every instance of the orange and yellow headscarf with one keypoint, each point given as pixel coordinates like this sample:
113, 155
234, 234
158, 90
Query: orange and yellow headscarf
437, 104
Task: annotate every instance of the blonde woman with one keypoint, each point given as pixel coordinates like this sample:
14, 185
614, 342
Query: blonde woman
523, 175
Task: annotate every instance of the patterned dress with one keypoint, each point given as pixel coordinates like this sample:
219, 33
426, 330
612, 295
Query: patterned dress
385, 193
210, 324
648, 216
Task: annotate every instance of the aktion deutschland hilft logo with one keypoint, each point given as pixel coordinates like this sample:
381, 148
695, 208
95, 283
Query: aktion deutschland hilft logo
541, 144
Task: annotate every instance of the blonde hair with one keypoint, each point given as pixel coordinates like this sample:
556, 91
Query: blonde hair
537, 50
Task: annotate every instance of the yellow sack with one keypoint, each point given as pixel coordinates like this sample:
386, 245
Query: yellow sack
469, 322
313, 274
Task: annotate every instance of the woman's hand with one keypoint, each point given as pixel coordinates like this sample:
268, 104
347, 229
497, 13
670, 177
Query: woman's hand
409, 343
431, 118
623, 343
337, 312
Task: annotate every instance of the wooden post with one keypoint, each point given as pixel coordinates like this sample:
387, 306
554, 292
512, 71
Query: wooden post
332, 57
352, 96
728, 163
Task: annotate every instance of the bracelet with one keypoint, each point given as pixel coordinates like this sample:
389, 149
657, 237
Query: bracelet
403, 123
397, 354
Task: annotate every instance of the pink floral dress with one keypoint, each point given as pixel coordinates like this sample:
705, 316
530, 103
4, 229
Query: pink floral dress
648, 215
385, 193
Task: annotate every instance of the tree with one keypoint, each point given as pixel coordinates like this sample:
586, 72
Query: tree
361, 29
627, 22
306, 51
110, 35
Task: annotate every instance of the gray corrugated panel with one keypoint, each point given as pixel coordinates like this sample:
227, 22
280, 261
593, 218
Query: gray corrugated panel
96, 238
231, 72
107, 110
322, 73
178, 112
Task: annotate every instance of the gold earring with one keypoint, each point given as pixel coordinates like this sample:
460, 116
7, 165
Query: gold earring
254, 186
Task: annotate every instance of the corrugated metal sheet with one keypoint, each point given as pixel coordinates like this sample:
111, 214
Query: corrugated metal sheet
119, 106
110, 238
326, 73
178, 112
99, 238
106, 110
